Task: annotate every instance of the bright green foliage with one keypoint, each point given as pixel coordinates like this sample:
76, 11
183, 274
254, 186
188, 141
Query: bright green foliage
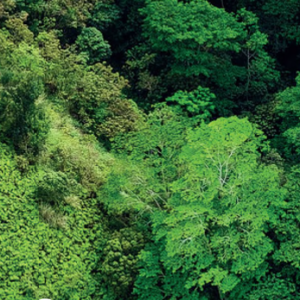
37, 260
18, 253
197, 104
92, 45
188, 31
73, 254
51, 231
157, 281
49, 45
79, 166
215, 231
287, 229
142, 180
187, 204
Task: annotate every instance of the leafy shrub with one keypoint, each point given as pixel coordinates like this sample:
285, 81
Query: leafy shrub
38, 259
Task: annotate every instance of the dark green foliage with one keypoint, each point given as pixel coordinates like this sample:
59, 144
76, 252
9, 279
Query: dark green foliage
6, 7
97, 102
287, 108
22, 120
53, 187
197, 43
104, 14
119, 268
58, 14
278, 20
92, 45
266, 118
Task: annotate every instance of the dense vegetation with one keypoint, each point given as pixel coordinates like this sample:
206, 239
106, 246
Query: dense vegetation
150, 149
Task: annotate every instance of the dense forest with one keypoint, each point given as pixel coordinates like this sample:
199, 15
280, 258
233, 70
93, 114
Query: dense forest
150, 149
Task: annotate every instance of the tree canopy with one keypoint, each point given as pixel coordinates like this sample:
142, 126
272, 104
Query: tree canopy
149, 150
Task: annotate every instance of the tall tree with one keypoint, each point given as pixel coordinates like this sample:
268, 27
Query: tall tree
210, 227
195, 43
